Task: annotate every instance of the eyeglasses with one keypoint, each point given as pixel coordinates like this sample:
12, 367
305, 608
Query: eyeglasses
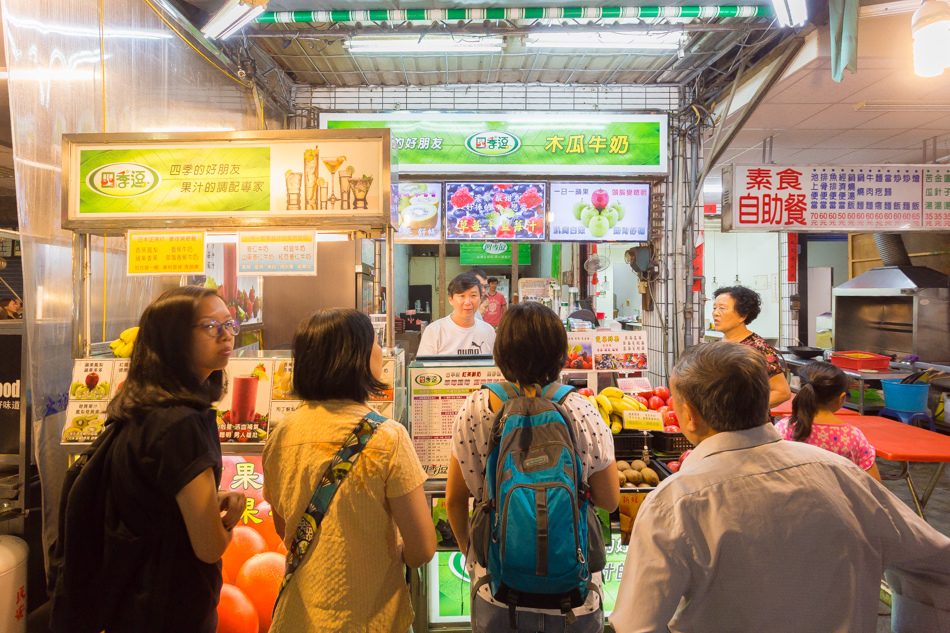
214, 328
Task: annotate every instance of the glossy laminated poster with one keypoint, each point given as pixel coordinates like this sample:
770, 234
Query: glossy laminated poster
419, 209
600, 212
495, 211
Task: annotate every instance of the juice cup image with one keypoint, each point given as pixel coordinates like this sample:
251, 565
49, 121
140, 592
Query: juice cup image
243, 399
311, 167
293, 179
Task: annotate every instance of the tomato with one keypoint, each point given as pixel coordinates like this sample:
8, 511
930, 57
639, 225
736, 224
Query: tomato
646, 394
655, 403
674, 466
663, 410
586, 392
663, 392
669, 418
641, 400
671, 429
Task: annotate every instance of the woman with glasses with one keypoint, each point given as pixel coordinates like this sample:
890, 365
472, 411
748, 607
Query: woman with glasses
166, 466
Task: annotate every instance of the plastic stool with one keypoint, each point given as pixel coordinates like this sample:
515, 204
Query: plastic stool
907, 417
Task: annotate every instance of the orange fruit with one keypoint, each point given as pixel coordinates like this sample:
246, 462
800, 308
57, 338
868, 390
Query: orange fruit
236, 614
245, 543
260, 579
266, 527
282, 549
224, 576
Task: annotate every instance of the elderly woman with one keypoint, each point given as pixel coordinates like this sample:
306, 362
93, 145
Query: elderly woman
734, 309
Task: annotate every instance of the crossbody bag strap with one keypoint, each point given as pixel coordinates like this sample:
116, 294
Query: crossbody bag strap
340, 466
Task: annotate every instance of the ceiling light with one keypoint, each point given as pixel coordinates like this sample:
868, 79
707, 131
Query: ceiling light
790, 12
232, 17
427, 44
606, 39
931, 28
902, 106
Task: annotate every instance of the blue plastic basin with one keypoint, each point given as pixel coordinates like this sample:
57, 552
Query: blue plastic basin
905, 397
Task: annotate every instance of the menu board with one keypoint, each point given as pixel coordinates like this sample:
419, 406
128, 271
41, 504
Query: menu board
84, 420
436, 395
419, 205
479, 211
606, 351
165, 253
92, 386
600, 212
836, 198
244, 410
280, 253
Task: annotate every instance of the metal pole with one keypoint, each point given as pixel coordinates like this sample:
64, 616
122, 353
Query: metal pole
390, 288
514, 271
441, 289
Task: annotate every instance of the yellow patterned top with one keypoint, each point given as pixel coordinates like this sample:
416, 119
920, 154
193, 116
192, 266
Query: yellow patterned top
353, 578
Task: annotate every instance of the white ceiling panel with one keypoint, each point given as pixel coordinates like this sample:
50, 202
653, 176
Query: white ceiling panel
799, 139
819, 156
813, 88
837, 117
782, 116
903, 120
873, 156
854, 138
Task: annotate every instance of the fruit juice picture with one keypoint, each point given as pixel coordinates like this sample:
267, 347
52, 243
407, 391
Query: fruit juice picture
92, 379
243, 399
492, 211
311, 166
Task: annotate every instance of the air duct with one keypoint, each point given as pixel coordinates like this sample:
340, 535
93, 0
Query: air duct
892, 249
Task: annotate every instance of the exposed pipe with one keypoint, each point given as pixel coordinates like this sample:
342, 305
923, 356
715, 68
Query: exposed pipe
892, 249
527, 13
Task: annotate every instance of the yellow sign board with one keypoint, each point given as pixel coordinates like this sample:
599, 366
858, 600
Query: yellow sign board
643, 420
166, 252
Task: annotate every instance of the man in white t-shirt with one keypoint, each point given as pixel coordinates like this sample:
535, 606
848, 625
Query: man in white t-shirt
459, 333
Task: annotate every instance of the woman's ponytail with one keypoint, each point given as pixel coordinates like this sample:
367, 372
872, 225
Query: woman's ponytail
822, 385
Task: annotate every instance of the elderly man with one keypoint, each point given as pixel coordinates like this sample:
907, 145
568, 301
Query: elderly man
759, 534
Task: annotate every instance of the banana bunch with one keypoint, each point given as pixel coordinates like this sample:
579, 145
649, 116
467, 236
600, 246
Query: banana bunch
122, 346
612, 402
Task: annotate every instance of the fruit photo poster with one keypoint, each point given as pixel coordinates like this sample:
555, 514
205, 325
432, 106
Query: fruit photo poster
419, 208
487, 211
607, 212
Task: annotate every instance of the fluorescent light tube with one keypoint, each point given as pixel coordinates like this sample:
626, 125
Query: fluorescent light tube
428, 44
606, 39
790, 12
230, 18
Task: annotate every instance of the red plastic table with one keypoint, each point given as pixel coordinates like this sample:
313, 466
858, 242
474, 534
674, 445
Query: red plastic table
904, 443
785, 409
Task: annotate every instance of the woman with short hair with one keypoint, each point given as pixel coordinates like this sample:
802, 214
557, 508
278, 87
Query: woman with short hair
735, 307
352, 576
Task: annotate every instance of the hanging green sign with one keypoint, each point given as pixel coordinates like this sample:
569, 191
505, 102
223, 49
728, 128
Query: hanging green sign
492, 254
520, 143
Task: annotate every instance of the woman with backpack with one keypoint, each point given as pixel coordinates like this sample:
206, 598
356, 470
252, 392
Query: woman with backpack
552, 467
352, 517
166, 524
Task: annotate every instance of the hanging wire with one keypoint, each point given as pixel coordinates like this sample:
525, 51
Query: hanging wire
102, 60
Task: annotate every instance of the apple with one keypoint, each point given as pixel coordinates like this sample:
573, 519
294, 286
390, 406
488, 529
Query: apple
641, 400
669, 418
647, 393
599, 199
586, 392
674, 466
671, 429
578, 208
588, 214
611, 214
599, 226
92, 380
663, 410
663, 392
685, 455
619, 207
655, 403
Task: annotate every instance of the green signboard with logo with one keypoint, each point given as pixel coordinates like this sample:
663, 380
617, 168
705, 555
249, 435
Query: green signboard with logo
492, 254
541, 143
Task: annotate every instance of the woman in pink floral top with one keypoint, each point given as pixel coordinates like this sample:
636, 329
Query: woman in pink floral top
823, 391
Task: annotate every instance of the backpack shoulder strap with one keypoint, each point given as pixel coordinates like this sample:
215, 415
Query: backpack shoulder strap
556, 392
505, 391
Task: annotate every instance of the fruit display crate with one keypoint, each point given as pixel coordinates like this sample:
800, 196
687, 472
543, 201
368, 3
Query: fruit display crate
860, 360
671, 443
629, 444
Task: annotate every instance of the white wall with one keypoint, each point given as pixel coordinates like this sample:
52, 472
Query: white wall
751, 256
831, 255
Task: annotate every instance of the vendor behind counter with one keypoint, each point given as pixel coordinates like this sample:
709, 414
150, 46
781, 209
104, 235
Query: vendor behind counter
460, 333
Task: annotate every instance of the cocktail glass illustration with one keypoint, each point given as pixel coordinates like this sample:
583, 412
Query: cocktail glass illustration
333, 164
344, 191
293, 179
311, 166
322, 186
243, 400
360, 188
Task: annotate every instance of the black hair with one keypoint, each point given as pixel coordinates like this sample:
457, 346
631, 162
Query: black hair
530, 344
748, 303
5, 301
726, 383
332, 351
822, 385
493, 280
461, 283
160, 373
480, 272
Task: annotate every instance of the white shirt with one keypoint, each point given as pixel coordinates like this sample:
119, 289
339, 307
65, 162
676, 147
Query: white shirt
445, 337
759, 534
470, 434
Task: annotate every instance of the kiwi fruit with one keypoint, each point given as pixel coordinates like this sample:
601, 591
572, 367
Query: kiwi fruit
629, 485
638, 464
622, 466
644, 486
412, 188
623, 479
633, 476
421, 216
650, 476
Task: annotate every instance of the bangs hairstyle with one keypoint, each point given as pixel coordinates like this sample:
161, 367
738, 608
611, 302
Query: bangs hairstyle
332, 351
747, 302
530, 344
726, 383
463, 283
160, 370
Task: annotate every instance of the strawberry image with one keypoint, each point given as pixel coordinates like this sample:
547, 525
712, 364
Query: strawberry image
501, 202
466, 224
535, 225
505, 231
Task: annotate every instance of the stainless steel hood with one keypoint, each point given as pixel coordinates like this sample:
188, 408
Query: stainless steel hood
893, 280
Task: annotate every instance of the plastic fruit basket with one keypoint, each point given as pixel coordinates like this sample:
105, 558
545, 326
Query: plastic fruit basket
671, 443
630, 443
860, 360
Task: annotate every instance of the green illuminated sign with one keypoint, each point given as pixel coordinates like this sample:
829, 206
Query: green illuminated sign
492, 254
